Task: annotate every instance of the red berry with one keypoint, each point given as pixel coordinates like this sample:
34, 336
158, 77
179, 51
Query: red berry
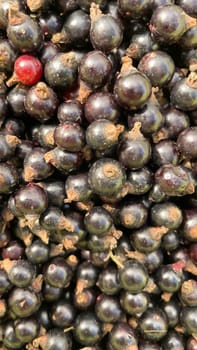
28, 69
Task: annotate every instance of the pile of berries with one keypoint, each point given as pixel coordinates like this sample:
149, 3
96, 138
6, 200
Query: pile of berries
98, 175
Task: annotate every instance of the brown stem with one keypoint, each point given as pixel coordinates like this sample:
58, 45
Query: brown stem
60, 38
116, 260
56, 249
95, 11
190, 21
192, 80
193, 67
42, 91
158, 232
29, 174
162, 134
135, 132
68, 59
15, 17
65, 224
84, 92
37, 283
131, 51
35, 5
166, 296
12, 81
12, 141
127, 64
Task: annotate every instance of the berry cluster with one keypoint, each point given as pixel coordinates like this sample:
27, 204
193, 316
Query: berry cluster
98, 175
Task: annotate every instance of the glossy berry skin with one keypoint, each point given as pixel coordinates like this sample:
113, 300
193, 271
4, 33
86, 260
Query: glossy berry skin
164, 152
122, 336
35, 166
51, 294
187, 142
139, 181
153, 324
10, 339
85, 299
175, 121
52, 219
23, 302
8, 178
133, 9
188, 319
16, 99
8, 145
172, 310
168, 24
56, 339
153, 260
189, 224
95, 69
158, 67
23, 32
14, 250
189, 6
62, 314
69, 136
37, 252
134, 304
106, 177
61, 70
108, 281
14, 127
76, 29
77, 188
102, 134
134, 150
133, 276
5, 284
106, 33
70, 111
64, 161
107, 308
184, 94
149, 116
132, 89
21, 273
170, 241
98, 221
50, 23
188, 40
174, 180
141, 43
148, 345
41, 102
132, 215
101, 105
87, 329
145, 239
28, 69
58, 274
168, 279
55, 191
87, 273
26, 329
173, 341
167, 214
31, 199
